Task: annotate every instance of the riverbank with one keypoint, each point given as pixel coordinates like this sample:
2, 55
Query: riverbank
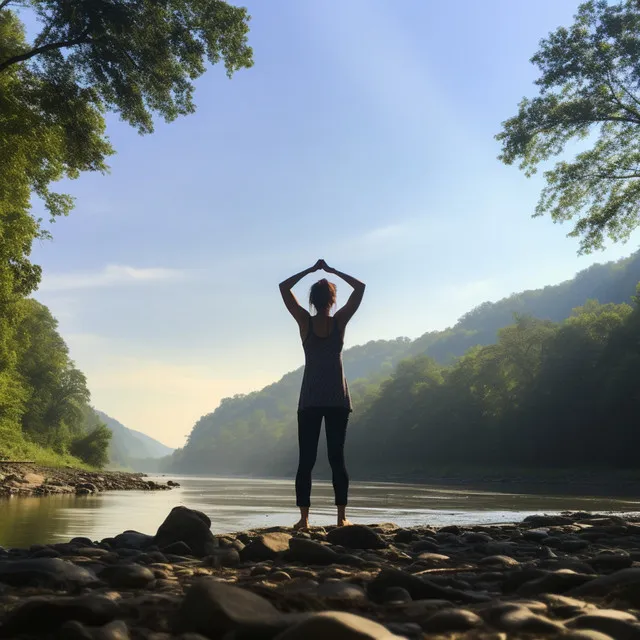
24, 479
575, 576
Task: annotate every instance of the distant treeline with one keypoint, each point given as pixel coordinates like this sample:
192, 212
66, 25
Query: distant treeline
546, 378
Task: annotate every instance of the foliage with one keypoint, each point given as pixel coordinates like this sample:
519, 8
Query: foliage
590, 75
490, 390
137, 58
44, 399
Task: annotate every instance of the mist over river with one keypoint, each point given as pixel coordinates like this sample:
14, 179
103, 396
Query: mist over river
236, 504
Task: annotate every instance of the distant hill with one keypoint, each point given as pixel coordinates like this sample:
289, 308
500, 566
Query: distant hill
129, 447
255, 433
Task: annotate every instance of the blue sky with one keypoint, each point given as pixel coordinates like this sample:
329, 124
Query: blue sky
363, 135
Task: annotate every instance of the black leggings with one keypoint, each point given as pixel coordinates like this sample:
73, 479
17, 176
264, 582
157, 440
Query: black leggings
335, 426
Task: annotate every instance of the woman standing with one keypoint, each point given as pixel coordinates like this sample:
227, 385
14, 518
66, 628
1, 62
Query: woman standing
324, 392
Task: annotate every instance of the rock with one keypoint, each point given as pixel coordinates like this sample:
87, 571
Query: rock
618, 624
45, 572
228, 557
523, 620
48, 614
279, 576
337, 625
428, 559
213, 609
451, 620
555, 582
396, 595
116, 630
127, 576
132, 540
46, 553
426, 545
611, 561
179, 548
189, 526
586, 634
356, 536
504, 562
604, 584
266, 547
417, 587
404, 536
538, 521
81, 542
310, 552
73, 630
350, 560
563, 606
341, 591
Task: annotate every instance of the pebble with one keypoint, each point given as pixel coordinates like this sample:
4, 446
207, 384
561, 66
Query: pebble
337, 625
451, 620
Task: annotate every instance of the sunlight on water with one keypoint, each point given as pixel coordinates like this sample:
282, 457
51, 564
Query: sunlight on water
235, 504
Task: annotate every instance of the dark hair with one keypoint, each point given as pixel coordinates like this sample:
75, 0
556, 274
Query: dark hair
322, 294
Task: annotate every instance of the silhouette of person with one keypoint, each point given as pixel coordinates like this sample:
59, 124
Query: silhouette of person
324, 392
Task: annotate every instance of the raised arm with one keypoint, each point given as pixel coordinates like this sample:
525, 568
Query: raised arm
290, 301
345, 313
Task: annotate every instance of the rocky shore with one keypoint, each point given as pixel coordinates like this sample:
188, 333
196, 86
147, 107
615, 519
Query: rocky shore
575, 576
23, 479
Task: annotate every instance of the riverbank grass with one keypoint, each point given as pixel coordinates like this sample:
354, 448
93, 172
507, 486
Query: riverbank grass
16, 448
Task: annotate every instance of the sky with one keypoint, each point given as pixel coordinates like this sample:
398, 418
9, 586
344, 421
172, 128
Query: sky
364, 135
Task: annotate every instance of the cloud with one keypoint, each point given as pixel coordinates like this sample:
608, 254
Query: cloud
110, 276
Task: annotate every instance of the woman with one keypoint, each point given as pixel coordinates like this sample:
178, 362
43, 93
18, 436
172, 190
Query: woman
324, 392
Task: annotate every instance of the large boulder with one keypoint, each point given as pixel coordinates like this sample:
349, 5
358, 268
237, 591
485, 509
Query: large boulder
356, 536
189, 526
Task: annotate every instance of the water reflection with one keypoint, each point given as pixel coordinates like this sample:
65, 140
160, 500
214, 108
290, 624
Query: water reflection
234, 504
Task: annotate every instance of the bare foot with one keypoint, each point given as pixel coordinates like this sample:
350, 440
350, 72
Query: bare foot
301, 525
343, 522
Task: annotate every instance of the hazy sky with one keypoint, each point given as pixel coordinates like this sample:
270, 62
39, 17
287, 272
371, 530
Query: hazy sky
363, 135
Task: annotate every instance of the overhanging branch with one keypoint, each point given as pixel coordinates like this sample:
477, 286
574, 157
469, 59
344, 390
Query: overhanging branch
63, 44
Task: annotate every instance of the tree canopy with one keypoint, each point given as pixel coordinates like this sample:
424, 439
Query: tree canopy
589, 93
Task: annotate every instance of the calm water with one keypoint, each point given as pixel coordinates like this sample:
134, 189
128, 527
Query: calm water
236, 504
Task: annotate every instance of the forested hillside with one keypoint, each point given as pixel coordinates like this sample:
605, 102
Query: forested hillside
130, 448
44, 401
459, 396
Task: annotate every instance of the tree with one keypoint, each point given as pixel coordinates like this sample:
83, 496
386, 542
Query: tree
589, 93
138, 58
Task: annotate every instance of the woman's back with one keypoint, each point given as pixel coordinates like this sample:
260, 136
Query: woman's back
324, 383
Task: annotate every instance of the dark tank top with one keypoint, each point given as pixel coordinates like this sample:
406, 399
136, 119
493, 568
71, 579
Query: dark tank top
323, 381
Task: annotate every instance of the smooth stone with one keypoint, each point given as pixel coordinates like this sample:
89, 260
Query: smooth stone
564, 606
213, 608
260, 570
44, 613
451, 620
498, 561
127, 576
426, 545
227, 557
311, 552
73, 630
45, 572
396, 595
586, 634
179, 548
604, 584
524, 620
431, 559
189, 526
132, 540
556, 582
404, 536
46, 553
356, 536
82, 541
611, 561
350, 560
116, 630
341, 591
619, 624
279, 576
266, 547
337, 625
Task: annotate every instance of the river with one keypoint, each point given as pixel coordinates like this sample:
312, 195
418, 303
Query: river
235, 504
